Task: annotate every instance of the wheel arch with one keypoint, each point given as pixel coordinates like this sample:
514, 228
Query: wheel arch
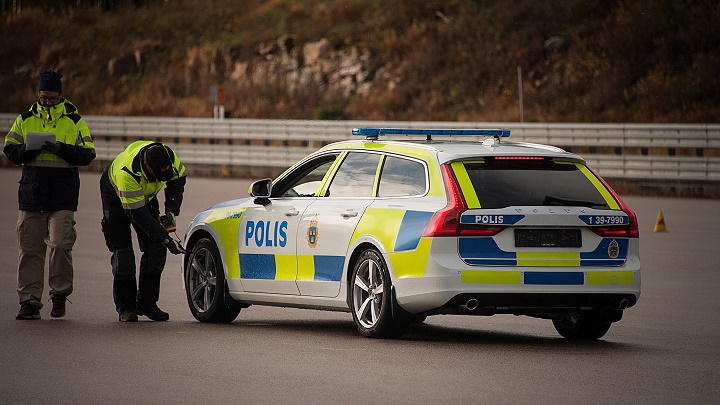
357, 251
202, 233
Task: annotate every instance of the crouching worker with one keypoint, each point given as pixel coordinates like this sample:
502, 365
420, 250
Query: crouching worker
129, 189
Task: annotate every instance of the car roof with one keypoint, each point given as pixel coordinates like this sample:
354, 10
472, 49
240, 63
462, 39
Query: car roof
450, 150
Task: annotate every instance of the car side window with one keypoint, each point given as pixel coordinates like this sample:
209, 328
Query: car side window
305, 180
356, 176
401, 178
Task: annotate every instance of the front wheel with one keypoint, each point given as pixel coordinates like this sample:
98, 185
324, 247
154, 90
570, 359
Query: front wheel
581, 327
372, 300
205, 285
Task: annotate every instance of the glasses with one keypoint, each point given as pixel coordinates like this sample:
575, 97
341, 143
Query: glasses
50, 99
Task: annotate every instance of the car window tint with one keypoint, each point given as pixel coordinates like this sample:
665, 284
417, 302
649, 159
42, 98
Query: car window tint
305, 180
401, 177
356, 176
504, 183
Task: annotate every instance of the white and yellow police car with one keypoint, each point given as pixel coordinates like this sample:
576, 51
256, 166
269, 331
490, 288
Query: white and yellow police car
395, 231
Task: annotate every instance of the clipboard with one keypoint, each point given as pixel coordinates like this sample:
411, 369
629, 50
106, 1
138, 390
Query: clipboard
35, 140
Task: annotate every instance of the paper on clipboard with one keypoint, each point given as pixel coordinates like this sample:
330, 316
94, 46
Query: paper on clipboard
35, 140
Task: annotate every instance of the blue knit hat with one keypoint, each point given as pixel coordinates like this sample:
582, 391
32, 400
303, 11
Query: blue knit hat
50, 81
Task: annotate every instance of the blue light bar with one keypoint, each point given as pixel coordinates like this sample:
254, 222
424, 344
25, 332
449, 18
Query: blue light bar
375, 132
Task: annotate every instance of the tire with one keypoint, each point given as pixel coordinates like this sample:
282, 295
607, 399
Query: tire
205, 286
372, 300
581, 327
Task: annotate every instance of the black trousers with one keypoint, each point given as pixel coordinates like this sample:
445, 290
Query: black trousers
129, 294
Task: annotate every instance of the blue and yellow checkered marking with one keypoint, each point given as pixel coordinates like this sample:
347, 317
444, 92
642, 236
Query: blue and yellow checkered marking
481, 251
498, 277
400, 232
284, 267
225, 219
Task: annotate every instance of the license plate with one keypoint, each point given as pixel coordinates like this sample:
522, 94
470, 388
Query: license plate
548, 238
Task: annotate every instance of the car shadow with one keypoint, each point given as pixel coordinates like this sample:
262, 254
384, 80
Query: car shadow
433, 333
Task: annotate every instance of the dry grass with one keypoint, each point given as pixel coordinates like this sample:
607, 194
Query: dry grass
643, 61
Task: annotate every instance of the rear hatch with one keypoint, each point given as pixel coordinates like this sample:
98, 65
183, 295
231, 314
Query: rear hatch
540, 212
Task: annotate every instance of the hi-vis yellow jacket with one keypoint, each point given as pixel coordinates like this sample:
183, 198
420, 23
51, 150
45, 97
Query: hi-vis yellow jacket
50, 182
136, 189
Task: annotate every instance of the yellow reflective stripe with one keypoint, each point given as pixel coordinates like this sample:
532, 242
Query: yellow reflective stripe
38, 162
545, 259
611, 277
490, 277
130, 194
548, 255
436, 185
226, 223
322, 190
412, 263
305, 268
86, 141
133, 205
285, 267
609, 200
233, 264
383, 223
466, 186
12, 136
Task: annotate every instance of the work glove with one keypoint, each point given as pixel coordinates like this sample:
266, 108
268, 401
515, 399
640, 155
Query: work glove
168, 222
52, 147
173, 246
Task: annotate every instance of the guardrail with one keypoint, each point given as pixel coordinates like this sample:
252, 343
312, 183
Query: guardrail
656, 152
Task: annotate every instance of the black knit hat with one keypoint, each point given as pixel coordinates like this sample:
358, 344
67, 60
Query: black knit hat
50, 81
158, 158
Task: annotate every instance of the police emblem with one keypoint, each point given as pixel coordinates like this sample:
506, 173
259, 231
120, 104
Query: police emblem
613, 249
312, 233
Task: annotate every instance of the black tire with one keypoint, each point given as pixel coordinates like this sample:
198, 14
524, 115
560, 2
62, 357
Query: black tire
581, 327
205, 286
372, 300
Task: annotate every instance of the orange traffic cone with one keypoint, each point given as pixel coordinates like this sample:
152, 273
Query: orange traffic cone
660, 223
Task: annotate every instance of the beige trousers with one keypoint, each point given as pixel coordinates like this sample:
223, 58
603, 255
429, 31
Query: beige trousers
37, 231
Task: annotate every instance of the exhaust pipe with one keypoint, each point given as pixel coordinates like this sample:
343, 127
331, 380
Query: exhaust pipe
470, 305
623, 304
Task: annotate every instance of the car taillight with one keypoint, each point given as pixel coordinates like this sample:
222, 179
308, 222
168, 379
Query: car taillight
630, 230
446, 222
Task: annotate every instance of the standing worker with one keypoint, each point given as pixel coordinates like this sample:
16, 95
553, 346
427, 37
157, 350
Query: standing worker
129, 189
48, 193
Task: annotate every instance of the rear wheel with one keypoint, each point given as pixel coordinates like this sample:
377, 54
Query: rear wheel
372, 300
581, 327
205, 285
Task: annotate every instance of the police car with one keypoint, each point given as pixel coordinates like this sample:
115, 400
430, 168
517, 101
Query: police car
394, 231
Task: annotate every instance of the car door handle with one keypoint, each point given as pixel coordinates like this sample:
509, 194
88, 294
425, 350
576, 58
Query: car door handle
349, 213
292, 212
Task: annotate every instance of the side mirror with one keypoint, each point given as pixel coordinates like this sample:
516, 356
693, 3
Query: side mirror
261, 190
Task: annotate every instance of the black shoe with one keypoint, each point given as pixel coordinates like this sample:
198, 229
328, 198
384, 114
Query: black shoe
128, 316
155, 313
28, 311
58, 306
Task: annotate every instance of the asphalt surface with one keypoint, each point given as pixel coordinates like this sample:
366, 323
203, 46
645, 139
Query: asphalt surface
665, 350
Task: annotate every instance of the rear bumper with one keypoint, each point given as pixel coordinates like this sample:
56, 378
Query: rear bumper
449, 295
538, 305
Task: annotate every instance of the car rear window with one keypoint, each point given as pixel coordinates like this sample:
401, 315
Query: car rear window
505, 183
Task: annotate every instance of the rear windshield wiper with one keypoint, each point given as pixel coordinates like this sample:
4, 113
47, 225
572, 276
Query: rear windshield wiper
555, 200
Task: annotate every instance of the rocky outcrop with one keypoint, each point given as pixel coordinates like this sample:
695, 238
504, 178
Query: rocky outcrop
345, 72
